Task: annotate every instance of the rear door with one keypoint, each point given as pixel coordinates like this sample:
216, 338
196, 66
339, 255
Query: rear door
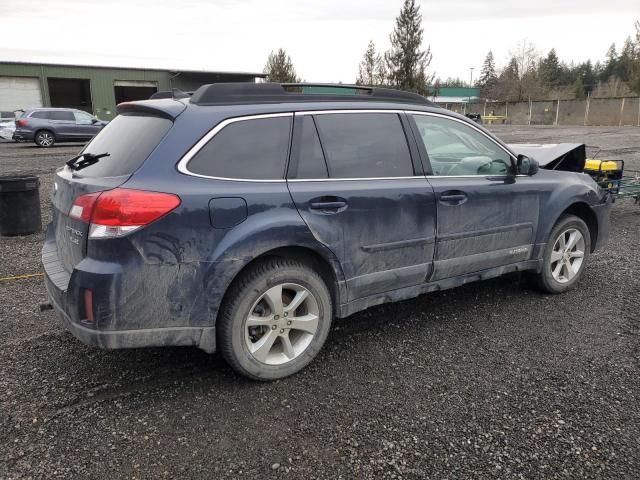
486, 216
367, 202
64, 124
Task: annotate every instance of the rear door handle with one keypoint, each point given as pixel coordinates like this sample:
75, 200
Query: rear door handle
333, 205
453, 198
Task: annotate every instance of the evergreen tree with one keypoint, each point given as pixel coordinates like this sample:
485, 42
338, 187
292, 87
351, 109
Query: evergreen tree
625, 60
367, 70
610, 64
549, 69
279, 68
488, 75
406, 61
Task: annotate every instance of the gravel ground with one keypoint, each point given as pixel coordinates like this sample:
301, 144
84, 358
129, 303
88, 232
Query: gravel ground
492, 380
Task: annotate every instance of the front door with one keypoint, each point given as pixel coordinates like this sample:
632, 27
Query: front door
85, 126
366, 202
486, 217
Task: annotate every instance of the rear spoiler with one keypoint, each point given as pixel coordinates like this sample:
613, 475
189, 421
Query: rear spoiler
165, 108
174, 93
556, 156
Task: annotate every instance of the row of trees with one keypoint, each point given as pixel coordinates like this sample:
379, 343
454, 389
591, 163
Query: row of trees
403, 66
527, 75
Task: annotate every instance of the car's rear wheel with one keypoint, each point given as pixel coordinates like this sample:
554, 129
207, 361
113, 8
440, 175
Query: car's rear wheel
275, 319
565, 255
44, 138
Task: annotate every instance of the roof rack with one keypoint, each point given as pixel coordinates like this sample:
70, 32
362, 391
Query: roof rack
243, 93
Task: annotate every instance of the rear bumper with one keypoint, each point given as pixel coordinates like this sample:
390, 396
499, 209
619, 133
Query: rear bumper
66, 294
23, 135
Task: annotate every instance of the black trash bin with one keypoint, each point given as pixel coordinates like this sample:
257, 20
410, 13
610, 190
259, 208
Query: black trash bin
19, 205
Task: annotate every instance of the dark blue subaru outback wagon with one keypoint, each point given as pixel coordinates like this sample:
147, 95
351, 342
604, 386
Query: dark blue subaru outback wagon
245, 218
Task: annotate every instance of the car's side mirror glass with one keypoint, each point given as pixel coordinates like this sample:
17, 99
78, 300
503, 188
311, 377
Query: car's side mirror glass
527, 166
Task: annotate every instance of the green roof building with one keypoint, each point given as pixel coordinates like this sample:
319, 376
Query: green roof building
96, 89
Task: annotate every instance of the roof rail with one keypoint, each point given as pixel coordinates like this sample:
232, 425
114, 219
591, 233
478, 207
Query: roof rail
239, 93
173, 93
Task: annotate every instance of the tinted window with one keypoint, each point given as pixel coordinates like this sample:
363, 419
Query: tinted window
455, 148
40, 114
254, 149
364, 145
307, 159
61, 115
129, 139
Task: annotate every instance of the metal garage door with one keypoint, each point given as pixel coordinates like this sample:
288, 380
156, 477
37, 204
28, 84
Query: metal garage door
19, 93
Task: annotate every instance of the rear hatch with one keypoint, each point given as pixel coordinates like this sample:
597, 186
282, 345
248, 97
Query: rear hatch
128, 139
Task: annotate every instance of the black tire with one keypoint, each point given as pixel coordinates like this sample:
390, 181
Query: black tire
241, 299
545, 280
44, 138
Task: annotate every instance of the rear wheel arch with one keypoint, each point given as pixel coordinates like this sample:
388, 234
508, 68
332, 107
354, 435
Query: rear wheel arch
304, 255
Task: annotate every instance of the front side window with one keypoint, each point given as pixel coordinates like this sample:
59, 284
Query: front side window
83, 118
364, 145
253, 149
456, 149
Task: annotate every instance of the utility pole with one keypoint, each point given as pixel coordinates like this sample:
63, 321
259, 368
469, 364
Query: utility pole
470, 83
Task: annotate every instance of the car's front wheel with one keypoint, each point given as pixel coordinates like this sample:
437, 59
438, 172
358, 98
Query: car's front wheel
565, 255
274, 320
44, 138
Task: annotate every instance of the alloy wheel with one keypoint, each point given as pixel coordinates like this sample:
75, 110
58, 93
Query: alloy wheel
281, 324
567, 255
45, 139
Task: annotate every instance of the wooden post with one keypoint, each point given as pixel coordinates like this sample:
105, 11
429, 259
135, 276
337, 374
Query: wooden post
621, 112
506, 112
586, 110
530, 104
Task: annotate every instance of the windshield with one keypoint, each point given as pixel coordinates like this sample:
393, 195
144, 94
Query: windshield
128, 139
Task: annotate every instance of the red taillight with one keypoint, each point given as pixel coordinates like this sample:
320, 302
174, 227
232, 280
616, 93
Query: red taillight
119, 211
82, 207
21, 122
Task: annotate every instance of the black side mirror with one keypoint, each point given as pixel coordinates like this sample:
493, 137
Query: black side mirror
94, 120
527, 166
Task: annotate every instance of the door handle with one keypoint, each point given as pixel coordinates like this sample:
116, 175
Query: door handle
453, 198
334, 205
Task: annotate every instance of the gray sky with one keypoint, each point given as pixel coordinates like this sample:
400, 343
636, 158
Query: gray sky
325, 38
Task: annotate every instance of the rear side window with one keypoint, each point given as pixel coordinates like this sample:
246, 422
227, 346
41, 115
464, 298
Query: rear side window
254, 149
40, 114
364, 145
129, 140
61, 115
307, 159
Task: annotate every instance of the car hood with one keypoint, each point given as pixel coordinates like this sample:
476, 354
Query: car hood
554, 156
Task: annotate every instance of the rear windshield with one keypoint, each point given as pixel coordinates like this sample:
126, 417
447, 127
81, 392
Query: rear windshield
128, 139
